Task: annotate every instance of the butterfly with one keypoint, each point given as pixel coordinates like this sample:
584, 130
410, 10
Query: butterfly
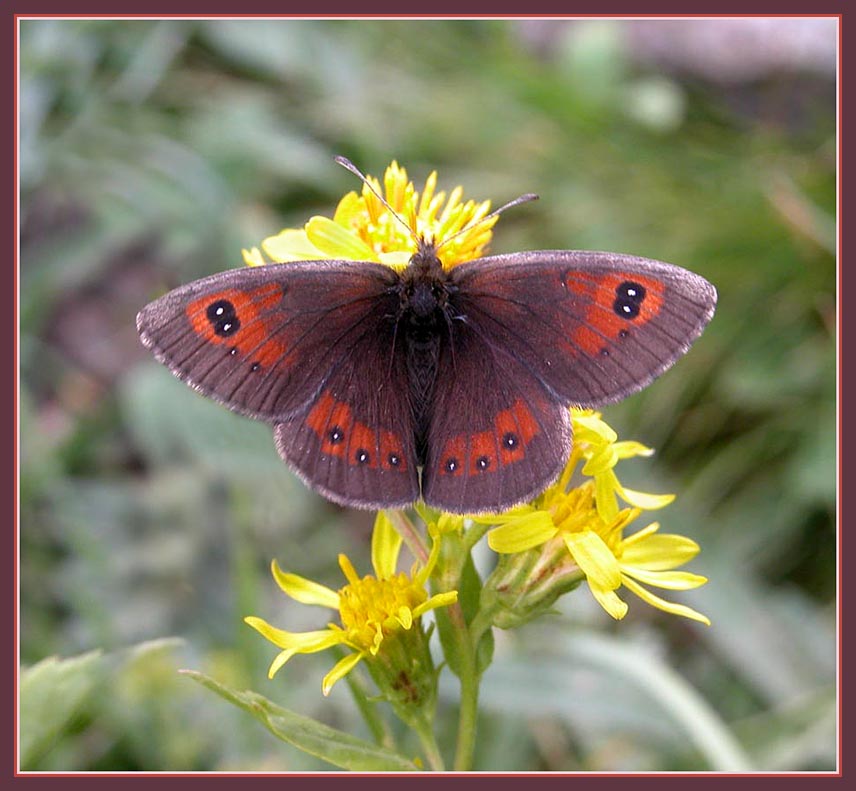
450, 384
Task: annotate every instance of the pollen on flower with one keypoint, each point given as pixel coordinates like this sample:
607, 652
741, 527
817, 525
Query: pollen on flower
379, 615
371, 608
366, 230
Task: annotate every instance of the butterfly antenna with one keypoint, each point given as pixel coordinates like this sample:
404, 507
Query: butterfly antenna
348, 165
529, 196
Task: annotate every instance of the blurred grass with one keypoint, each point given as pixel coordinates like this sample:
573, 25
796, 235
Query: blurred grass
152, 151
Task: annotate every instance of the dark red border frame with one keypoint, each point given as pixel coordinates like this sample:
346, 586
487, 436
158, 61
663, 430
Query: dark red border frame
12, 10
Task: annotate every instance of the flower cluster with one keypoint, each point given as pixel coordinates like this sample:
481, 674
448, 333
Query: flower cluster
580, 532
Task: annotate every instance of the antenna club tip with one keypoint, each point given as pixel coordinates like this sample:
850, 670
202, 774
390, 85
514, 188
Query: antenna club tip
348, 165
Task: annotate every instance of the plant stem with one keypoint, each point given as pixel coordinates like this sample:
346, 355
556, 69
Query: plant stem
377, 725
429, 745
468, 714
470, 680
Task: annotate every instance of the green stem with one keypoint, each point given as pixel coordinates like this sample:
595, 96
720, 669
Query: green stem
429, 745
377, 725
470, 680
468, 714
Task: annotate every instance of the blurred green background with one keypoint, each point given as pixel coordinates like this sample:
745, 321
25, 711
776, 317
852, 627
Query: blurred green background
152, 151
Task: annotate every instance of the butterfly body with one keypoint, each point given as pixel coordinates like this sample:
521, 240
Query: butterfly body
385, 385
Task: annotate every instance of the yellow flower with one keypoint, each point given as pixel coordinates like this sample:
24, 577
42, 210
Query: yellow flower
372, 610
571, 524
363, 229
597, 443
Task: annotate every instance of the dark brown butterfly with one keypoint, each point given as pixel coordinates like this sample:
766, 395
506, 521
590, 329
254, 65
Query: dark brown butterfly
450, 384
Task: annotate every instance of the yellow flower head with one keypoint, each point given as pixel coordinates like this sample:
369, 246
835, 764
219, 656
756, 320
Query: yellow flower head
585, 525
372, 609
363, 229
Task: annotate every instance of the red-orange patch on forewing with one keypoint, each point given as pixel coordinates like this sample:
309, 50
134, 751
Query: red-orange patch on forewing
602, 324
587, 339
579, 283
254, 339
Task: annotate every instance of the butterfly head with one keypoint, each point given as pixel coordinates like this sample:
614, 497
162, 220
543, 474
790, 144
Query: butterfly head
425, 283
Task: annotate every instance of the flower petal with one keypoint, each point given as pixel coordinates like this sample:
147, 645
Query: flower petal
438, 600
404, 617
604, 496
397, 259
303, 590
662, 604
504, 516
627, 449
386, 544
281, 658
600, 461
658, 552
348, 569
522, 533
339, 671
291, 244
590, 428
377, 639
648, 502
595, 558
253, 257
302, 642
336, 241
350, 210
609, 600
670, 580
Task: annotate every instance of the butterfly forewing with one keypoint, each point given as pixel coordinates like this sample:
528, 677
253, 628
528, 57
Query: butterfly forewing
262, 340
592, 327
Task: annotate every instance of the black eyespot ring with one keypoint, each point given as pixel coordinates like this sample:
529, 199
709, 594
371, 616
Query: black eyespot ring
336, 435
482, 462
510, 440
223, 318
629, 297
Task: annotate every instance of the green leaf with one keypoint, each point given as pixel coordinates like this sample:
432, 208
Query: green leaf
337, 747
53, 692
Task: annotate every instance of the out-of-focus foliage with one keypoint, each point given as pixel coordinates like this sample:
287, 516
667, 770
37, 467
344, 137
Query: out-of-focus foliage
152, 151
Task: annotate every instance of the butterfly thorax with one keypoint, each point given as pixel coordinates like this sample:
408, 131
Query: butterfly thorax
423, 319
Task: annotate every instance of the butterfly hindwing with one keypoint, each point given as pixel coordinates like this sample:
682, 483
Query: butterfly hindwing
261, 340
496, 437
592, 327
354, 442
